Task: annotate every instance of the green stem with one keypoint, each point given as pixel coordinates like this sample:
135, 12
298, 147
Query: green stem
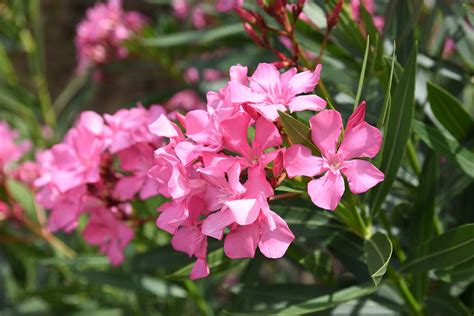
413, 159
35, 51
402, 286
201, 303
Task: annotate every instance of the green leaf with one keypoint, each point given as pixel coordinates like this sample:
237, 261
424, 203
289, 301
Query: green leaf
458, 273
325, 301
297, 131
216, 260
450, 112
447, 146
425, 202
378, 250
443, 304
23, 196
362, 73
194, 37
453, 247
397, 131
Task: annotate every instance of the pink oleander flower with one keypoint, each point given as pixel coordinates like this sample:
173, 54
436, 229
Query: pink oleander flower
130, 126
109, 233
227, 5
102, 35
180, 8
10, 149
370, 6
361, 140
449, 47
79, 175
4, 211
267, 91
27, 172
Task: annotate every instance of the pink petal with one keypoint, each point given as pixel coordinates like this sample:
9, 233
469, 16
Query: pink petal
127, 187
235, 131
163, 127
200, 270
245, 211
266, 78
274, 243
304, 81
299, 161
363, 140
325, 130
307, 102
188, 240
257, 182
242, 94
326, 192
197, 123
214, 224
357, 117
266, 135
242, 242
361, 175
172, 215
269, 111
238, 73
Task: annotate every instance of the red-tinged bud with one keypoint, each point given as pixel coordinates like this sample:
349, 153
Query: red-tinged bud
278, 165
253, 35
245, 15
281, 56
281, 64
333, 17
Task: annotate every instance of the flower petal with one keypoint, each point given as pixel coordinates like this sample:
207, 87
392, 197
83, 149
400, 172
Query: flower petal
242, 242
326, 192
361, 175
215, 223
242, 94
234, 131
266, 78
299, 161
245, 211
269, 111
274, 243
266, 135
362, 140
356, 117
304, 81
200, 269
325, 130
307, 102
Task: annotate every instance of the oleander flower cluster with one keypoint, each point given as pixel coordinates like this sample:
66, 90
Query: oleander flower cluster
97, 170
217, 165
221, 166
101, 36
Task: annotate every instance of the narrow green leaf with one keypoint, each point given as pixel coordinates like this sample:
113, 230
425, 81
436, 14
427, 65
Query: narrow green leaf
453, 247
450, 112
325, 301
362, 73
458, 273
194, 37
447, 146
378, 251
444, 304
388, 93
424, 222
23, 196
397, 132
297, 131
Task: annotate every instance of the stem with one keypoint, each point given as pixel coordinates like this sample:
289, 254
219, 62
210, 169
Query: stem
402, 286
194, 293
35, 51
285, 196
